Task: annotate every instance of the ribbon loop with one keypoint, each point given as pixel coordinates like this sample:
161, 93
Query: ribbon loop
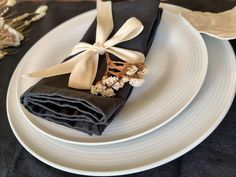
104, 20
83, 65
131, 29
84, 72
130, 56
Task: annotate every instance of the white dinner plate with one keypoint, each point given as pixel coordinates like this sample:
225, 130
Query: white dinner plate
174, 139
177, 62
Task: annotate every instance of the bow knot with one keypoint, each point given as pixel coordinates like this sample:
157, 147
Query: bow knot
100, 48
84, 63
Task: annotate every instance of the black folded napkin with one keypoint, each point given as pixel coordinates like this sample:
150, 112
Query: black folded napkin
51, 99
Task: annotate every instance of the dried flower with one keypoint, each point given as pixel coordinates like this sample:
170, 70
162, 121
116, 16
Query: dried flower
108, 92
4, 11
97, 89
125, 79
42, 9
9, 37
118, 85
12, 31
117, 74
20, 18
109, 81
136, 82
94, 90
100, 89
131, 70
40, 13
143, 72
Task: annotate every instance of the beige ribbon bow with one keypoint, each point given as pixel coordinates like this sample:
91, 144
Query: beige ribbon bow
83, 67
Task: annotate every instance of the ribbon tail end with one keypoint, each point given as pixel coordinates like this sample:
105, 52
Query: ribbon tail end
26, 76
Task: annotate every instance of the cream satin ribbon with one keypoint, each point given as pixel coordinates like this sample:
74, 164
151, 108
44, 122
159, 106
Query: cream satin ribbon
83, 67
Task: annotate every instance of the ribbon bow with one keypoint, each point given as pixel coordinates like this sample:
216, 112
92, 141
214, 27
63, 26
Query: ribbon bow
83, 66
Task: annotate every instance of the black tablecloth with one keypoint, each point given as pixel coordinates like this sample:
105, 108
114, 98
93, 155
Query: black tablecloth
215, 157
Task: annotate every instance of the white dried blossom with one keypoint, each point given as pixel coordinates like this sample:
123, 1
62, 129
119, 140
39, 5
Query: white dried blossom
94, 90
118, 85
4, 11
41, 10
18, 36
136, 82
40, 13
98, 88
21, 17
143, 72
125, 79
12, 38
13, 29
35, 18
109, 81
11, 3
27, 22
131, 70
108, 92
38, 17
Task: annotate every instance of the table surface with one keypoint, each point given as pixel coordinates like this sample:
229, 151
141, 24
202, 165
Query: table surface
215, 157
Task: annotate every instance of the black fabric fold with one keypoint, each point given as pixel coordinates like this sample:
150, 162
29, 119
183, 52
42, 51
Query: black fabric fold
51, 99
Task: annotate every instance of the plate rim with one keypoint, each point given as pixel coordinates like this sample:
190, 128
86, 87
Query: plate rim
145, 132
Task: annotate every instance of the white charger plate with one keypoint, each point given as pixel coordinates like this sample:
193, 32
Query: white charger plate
177, 62
174, 139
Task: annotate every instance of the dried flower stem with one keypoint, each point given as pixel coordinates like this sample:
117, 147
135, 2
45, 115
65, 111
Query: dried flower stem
112, 66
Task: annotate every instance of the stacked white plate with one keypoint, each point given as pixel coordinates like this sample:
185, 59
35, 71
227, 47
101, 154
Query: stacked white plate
187, 93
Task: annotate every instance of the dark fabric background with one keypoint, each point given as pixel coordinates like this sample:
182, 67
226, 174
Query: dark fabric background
215, 157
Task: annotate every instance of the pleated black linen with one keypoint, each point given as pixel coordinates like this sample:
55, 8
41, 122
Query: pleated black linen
51, 99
